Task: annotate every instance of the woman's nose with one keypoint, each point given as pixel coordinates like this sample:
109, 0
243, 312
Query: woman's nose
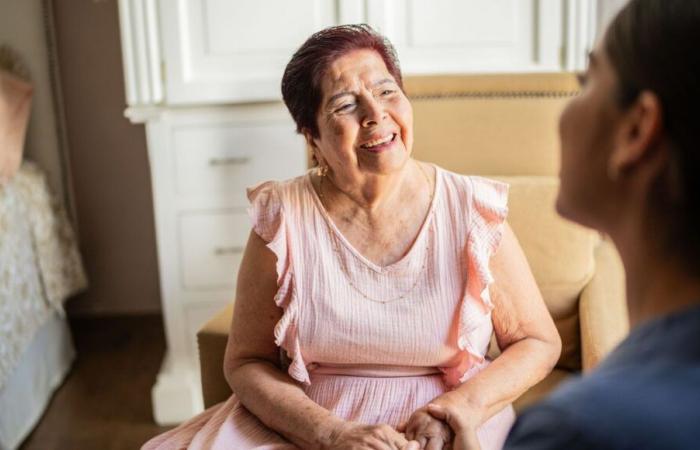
373, 113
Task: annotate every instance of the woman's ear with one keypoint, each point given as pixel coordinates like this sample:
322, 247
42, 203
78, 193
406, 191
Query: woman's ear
312, 146
309, 139
639, 134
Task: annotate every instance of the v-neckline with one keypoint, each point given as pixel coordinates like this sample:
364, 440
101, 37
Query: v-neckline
427, 220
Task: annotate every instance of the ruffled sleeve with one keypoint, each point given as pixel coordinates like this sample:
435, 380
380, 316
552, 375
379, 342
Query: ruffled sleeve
487, 213
268, 220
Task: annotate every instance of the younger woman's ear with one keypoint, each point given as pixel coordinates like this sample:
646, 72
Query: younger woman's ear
640, 134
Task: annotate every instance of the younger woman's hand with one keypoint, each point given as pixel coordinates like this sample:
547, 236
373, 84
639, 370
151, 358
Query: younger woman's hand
465, 433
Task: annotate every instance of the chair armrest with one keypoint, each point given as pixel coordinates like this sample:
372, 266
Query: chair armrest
211, 340
603, 307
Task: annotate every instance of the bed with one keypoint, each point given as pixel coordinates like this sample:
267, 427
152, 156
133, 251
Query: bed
40, 268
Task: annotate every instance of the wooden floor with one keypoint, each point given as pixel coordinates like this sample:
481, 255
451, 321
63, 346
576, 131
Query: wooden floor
105, 402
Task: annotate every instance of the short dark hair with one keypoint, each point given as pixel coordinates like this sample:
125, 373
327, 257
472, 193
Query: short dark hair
652, 46
301, 82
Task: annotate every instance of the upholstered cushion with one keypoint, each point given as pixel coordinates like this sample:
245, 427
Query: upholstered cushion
212, 339
560, 254
490, 124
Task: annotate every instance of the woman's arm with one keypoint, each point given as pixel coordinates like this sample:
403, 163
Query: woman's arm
524, 330
251, 367
251, 364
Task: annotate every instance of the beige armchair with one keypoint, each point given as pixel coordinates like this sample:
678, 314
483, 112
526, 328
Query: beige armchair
505, 126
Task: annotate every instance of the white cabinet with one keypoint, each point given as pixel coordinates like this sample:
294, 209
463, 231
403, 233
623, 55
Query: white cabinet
202, 159
204, 76
212, 51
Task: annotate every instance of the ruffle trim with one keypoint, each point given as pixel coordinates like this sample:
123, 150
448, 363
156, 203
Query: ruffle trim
268, 221
489, 208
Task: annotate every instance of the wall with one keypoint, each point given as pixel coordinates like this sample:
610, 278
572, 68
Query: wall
108, 164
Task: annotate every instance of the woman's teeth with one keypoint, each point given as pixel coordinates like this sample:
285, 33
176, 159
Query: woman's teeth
377, 142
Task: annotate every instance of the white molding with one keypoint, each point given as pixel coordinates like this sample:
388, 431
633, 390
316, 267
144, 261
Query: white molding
261, 111
154, 55
381, 16
581, 23
140, 41
143, 114
550, 37
128, 61
177, 394
351, 11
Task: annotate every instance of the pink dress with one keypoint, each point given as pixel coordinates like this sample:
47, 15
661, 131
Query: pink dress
371, 344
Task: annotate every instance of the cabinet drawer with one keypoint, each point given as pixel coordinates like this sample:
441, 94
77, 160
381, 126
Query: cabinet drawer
212, 246
227, 158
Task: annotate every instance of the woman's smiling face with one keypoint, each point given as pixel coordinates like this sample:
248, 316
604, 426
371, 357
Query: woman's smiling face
365, 121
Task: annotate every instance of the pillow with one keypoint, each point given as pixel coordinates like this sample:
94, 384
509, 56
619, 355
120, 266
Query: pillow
15, 104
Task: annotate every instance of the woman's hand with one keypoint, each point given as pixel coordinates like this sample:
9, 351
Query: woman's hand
464, 429
355, 436
429, 432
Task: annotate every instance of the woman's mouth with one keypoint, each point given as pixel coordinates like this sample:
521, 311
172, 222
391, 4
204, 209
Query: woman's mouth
379, 145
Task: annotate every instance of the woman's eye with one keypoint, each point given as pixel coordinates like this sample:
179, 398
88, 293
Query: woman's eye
581, 77
387, 92
345, 107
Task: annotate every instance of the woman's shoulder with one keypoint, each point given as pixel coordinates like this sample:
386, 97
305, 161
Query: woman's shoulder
467, 186
278, 189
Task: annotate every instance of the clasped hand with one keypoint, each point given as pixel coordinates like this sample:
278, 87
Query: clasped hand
433, 427
425, 432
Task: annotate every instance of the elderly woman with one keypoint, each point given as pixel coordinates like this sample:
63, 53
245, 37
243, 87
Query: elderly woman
630, 168
374, 274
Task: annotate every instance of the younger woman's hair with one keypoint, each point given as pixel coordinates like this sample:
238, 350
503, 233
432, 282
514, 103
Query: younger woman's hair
653, 46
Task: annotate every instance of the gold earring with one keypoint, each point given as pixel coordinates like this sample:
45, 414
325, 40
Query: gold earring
322, 171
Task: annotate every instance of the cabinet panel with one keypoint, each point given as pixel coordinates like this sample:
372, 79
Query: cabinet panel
470, 23
219, 50
237, 28
460, 35
212, 246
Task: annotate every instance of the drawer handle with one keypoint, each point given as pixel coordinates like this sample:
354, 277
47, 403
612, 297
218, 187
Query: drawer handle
221, 251
229, 161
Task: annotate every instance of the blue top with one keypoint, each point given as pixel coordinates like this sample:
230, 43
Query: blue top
645, 395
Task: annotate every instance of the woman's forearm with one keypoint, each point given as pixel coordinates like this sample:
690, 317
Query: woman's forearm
278, 402
522, 365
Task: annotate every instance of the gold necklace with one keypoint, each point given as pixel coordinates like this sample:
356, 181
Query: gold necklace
343, 265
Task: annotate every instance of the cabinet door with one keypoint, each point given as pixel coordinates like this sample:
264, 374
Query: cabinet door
443, 36
234, 51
